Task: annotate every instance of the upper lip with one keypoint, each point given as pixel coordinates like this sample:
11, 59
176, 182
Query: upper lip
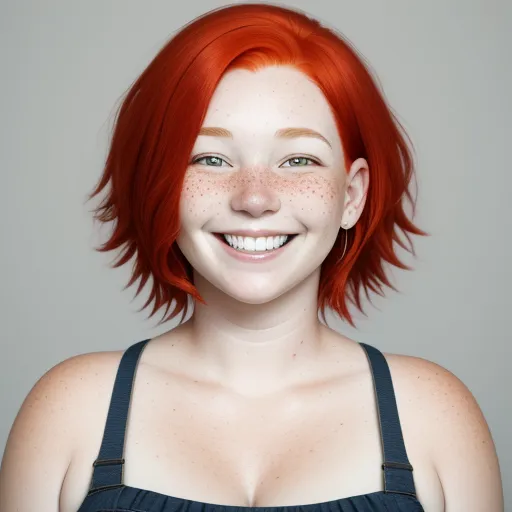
256, 233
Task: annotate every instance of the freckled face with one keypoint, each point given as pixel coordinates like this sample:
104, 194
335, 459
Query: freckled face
254, 180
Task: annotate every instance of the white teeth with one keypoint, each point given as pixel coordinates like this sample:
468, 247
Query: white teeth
262, 243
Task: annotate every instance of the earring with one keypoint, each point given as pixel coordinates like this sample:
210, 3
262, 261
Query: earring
345, 226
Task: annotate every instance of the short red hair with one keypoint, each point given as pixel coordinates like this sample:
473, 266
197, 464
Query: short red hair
159, 119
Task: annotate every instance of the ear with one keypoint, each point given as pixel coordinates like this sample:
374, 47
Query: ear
356, 190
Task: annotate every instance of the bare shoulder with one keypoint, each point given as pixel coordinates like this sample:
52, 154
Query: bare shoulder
460, 442
49, 426
60, 397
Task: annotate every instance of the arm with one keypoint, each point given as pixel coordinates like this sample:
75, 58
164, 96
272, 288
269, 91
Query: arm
39, 446
463, 450
467, 463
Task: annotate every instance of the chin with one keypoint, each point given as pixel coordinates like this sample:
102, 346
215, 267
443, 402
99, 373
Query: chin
261, 292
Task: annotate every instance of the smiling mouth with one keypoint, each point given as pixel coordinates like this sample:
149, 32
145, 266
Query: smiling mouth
256, 245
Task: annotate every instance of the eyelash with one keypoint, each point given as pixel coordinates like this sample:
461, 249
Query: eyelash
314, 160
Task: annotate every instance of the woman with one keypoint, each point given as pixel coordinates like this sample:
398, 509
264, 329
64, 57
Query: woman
256, 169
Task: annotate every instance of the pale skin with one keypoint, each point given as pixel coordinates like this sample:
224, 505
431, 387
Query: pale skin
254, 402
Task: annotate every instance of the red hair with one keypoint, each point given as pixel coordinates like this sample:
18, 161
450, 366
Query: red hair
158, 121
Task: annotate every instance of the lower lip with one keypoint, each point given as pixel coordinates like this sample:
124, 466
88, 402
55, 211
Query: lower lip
253, 256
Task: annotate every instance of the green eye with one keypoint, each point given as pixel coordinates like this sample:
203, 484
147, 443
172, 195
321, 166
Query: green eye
297, 159
215, 159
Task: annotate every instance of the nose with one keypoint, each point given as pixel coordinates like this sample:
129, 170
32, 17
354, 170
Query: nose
256, 196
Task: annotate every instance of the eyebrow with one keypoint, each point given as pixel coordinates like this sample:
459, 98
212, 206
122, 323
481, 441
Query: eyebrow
283, 133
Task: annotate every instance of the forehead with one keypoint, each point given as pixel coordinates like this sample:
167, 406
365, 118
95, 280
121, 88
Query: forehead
272, 98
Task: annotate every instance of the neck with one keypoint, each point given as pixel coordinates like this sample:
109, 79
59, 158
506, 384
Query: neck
253, 347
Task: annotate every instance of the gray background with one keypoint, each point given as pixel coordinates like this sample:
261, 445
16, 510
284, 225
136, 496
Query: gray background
445, 69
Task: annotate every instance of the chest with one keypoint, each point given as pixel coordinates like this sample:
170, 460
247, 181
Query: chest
204, 443
252, 450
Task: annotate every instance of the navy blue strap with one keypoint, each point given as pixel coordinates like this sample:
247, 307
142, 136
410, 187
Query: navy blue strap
108, 467
397, 469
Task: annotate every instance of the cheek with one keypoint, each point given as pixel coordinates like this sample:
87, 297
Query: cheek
315, 198
200, 196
